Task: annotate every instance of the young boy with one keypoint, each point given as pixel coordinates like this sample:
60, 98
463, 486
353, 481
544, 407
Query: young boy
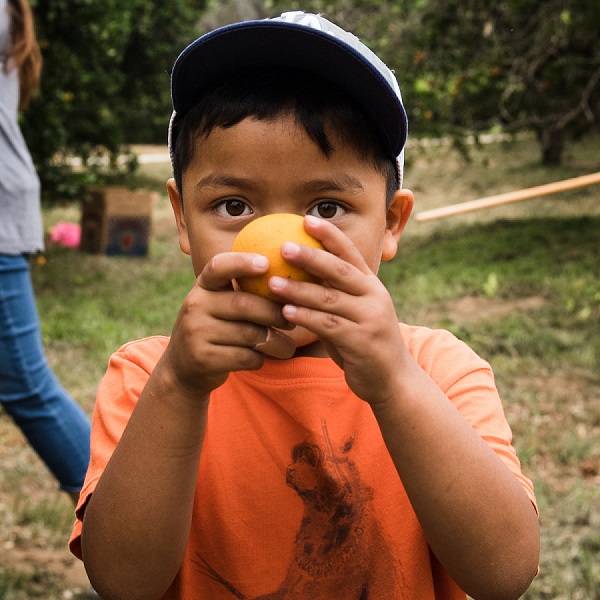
371, 459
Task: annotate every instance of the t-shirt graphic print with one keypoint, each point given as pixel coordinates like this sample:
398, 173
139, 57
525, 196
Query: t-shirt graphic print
339, 550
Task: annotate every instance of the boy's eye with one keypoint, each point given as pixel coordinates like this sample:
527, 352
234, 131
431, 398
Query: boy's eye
327, 210
233, 208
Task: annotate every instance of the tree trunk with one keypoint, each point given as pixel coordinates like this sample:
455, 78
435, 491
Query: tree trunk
552, 143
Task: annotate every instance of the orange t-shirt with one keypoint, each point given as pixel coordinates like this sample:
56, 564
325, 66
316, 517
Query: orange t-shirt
297, 495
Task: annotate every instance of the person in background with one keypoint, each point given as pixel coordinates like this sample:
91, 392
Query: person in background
54, 424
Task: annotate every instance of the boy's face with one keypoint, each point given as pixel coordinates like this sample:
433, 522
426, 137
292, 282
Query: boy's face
261, 167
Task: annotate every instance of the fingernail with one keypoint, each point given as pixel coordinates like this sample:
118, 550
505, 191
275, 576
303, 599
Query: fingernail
277, 345
260, 262
277, 283
289, 311
290, 249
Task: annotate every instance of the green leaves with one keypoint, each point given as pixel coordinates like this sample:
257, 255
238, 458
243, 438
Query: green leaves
469, 66
105, 83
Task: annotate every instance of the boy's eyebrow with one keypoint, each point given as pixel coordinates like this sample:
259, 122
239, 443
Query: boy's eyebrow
339, 183
224, 180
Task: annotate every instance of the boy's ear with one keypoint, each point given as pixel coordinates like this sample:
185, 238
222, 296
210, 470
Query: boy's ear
177, 205
397, 217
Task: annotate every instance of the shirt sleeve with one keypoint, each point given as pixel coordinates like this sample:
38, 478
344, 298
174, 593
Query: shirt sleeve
127, 374
468, 382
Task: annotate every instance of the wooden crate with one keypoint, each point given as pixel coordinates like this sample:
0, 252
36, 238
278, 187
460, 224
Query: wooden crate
117, 221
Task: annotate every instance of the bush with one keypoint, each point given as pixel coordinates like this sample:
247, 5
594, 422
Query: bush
105, 84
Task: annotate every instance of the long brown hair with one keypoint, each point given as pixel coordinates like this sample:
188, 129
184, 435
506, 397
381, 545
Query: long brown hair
24, 53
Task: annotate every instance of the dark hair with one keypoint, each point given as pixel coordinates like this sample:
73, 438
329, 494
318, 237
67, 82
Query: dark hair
265, 94
24, 51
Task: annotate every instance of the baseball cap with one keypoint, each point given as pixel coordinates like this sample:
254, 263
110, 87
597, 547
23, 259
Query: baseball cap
296, 40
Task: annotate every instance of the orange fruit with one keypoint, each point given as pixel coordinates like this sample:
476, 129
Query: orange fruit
265, 236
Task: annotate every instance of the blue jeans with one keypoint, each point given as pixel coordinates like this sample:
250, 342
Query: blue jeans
54, 424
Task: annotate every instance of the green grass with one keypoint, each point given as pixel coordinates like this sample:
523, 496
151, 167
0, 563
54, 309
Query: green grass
551, 258
23, 585
520, 284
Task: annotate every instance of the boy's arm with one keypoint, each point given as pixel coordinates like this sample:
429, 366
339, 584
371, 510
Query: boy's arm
137, 521
475, 514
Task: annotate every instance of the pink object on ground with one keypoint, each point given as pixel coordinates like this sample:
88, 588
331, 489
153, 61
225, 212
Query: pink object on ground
66, 234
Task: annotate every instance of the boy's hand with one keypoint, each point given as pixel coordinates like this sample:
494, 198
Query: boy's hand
351, 311
219, 330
